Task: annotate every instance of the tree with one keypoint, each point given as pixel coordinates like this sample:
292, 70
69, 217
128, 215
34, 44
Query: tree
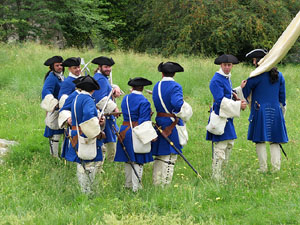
212, 26
80, 21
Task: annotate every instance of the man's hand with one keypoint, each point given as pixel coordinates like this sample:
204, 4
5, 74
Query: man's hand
56, 107
69, 121
243, 84
235, 97
116, 111
243, 104
102, 121
154, 140
116, 92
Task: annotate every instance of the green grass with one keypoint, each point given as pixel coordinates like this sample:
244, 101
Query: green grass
38, 189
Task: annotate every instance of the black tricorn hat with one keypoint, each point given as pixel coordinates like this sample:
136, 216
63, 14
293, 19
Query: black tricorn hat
78, 80
170, 67
256, 53
103, 60
54, 59
225, 58
88, 84
73, 61
139, 81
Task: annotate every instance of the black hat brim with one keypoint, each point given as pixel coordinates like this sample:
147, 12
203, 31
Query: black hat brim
78, 80
170, 67
102, 60
73, 61
226, 58
139, 82
88, 84
52, 60
256, 53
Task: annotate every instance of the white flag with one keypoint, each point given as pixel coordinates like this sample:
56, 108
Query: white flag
280, 48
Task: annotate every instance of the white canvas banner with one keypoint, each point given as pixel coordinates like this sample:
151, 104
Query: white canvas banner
280, 48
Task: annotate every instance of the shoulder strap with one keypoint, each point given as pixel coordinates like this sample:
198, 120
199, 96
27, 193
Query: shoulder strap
128, 112
76, 115
161, 100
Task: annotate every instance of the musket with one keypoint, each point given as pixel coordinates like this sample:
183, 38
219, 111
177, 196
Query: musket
85, 66
51, 149
117, 114
102, 110
126, 153
108, 97
111, 82
176, 149
148, 91
283, 152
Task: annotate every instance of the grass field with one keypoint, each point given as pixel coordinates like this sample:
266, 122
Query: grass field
38, 189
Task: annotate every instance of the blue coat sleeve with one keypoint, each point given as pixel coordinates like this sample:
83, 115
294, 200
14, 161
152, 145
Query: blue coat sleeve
217, 90
49, 86
68, 103
144, 112
177, 98
67, 88
249, 86
104, 89
89, 109
282, 90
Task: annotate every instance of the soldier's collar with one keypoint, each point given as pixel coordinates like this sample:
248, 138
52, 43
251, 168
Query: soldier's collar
137, 92
73, 75
167, 79
59, 75
85, 92
98, 71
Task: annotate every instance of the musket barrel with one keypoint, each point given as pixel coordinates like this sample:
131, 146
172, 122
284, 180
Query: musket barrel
126, 153
176, 149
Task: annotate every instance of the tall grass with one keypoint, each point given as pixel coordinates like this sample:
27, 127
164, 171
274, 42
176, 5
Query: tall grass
38, 189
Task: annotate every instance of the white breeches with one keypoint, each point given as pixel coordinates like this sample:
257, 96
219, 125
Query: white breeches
262, 156
163, 169
131, 180
54, 144
221, 154
108, 153
86, 175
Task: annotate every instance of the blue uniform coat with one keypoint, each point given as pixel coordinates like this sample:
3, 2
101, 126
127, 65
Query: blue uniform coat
67, 86
85, 110
220, 86
52, 86
67, 106
105, 89
172, 96
140, 111
266, 121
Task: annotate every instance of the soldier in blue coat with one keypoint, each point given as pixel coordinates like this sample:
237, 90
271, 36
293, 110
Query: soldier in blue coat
85, 120
172, 113
52, 84
68, 86
137, 114
65, 119
266, 120
101, 96
225, 106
